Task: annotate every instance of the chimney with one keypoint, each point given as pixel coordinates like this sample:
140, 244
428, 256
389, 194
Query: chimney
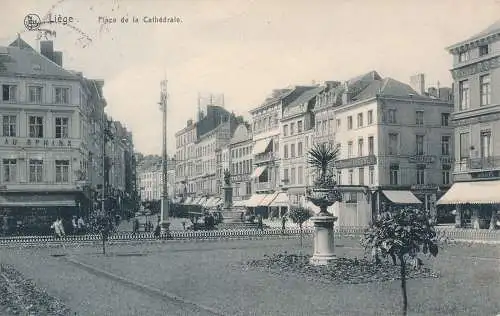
47, 49
58, 58
346, 95
417, 82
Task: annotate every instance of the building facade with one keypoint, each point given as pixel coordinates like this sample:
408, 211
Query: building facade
241, 163
476, 118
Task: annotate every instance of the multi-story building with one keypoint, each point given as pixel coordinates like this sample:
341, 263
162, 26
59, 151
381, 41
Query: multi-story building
476, 118
50, 117
297, 125
198, 146
151, 181
267, 177
396, 143
241, 165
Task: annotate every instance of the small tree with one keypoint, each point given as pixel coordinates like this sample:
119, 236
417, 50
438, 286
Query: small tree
299, 215
402, 234
322, 157
101, 225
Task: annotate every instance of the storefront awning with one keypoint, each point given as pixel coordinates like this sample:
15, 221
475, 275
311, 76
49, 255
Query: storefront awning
268, 199
258, 171
481, 192
37, 200
401, 197
217, 202
261, 146
208, 202
280, 200
255, 200
201, 201
195, 200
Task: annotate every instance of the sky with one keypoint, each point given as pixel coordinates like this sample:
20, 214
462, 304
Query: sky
243, 48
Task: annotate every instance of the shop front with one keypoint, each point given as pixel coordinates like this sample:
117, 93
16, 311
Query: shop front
477, 203
33, 213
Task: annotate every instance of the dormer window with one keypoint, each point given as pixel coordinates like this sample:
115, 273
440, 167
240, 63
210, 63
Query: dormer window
463, 56
483, 50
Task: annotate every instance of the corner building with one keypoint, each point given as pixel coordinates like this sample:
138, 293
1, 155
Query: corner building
475, 194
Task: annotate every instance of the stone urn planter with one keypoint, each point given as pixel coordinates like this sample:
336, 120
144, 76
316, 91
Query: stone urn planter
323, 197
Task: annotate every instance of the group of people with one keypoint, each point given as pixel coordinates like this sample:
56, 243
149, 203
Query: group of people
77, 225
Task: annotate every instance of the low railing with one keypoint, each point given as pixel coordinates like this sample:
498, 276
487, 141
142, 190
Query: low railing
486, 163
264, 157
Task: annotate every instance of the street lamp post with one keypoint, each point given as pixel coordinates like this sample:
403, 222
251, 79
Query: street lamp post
164, 223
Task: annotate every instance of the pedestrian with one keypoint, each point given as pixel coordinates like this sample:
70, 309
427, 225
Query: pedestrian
283, 222
58, 228
157, 230
81, 225
260, 225
74, 225
135, 226
184, 225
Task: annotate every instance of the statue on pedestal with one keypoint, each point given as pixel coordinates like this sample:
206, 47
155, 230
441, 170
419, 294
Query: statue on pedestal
227, 177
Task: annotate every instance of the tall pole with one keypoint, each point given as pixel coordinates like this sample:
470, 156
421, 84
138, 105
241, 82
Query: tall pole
164, 223
104, 131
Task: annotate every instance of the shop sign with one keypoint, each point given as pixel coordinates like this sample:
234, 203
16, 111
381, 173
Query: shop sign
37, 142
423, 187
485, 174
356, 162
421, 159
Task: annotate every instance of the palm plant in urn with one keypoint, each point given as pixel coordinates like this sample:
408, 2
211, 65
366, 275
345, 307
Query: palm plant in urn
322, 158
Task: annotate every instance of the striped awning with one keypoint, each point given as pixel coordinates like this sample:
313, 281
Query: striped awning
239, 203
188, 201
480, 192
401, 197
268, 199
217, 202
201, 201
208, 202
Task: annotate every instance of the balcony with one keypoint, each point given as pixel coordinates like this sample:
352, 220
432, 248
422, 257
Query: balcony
264, 157
263, 186
477, 164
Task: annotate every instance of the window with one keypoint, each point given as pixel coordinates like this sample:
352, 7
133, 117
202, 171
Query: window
370, 117
62, 127
9, 170
35, 94
445, 119
292, 176
445, 145
463, 56
285, 151
351, 176
420, 145
9, 93
485, 144
349, 149
393, 144
446, 174
463, 90
464, 146
299, 127
300, 175
339, 177
285, 130
391, 116
349, 122
36, 126
393, 174
285, 175
330, 126
420, 174
9, 125
306, 144
36, 170
299, 149
483, 50
61, 95
292, 151
370, 145
292, 128
371, 175
484, 89
419, 117
62, 171
360, 119
361, 176
360, 147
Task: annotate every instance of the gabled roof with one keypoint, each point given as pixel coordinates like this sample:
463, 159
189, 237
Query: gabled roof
388, 87
20, 43
27, 61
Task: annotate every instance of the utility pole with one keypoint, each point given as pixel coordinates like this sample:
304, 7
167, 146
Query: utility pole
164, 223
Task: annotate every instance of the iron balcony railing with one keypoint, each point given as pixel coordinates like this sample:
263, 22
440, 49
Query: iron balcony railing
484, 163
